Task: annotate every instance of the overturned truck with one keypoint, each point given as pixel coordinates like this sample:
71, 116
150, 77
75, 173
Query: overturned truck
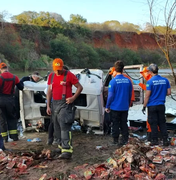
90, 103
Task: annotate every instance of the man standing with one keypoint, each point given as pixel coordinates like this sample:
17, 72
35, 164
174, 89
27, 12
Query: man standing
52, 137
60, 89
118, 102
8, 119
157, 89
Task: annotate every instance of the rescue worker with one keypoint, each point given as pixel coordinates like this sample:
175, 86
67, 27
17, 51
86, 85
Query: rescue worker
147, 76
8, 119
118, 102
60, 90
52, 138
33, 78
114, 73
158, 88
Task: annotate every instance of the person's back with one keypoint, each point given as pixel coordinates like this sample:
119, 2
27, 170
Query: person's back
118, 102
157, 89
158, 86
121, 87
8, 120
7, 83
114, 73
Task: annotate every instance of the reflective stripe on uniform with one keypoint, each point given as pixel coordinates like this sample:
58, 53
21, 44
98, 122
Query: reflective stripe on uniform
67, 150
59, 147
13, 132
70, 137
3, 134
71, 148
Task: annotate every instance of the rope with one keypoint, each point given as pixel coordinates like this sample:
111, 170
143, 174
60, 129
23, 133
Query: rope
88, 73
172, 97
132, 77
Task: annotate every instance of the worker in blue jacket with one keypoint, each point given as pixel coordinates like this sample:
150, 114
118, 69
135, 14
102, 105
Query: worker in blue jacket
118, 103
158, 88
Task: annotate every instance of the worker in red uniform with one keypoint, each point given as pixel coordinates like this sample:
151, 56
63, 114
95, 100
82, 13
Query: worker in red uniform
8, 119
60, 90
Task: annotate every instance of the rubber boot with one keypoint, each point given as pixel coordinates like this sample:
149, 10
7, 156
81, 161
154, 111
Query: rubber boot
65, 155
115, 141
15, 138
50, 141
123, 141
154, 142
149, 136
56, 141
5, 138
166, 141
3, 148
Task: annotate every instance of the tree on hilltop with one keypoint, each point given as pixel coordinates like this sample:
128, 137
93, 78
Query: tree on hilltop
40, 19
164, 36
77, 19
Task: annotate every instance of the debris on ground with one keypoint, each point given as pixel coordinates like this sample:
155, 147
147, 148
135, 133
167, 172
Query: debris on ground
136, 160
75, 126
20, 162
34, 140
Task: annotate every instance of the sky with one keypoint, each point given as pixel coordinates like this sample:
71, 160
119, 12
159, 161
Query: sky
97, 11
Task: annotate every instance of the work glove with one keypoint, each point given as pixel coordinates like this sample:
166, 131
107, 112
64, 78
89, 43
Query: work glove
143, 110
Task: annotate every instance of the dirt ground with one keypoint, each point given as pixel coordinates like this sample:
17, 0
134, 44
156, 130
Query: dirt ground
84, 152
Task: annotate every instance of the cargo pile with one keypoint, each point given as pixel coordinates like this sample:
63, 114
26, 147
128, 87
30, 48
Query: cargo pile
134, 161
17, 164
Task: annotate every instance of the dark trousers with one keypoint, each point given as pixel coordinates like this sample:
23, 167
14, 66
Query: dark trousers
156, 117
63, 118
8, 119
1, 143
119, 124
51, 131
17, 103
